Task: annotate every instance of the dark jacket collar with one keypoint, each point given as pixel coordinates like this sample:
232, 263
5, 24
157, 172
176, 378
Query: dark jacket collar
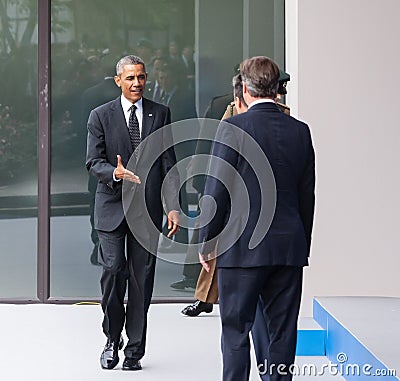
264, 106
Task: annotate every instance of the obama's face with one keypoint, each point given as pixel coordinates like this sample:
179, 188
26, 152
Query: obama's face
132, 82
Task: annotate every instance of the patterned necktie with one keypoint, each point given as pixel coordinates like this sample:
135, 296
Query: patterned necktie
133, 127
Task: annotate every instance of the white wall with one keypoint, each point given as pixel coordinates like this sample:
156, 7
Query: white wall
344, 61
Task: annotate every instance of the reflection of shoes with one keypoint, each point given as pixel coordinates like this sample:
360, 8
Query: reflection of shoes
131, 364
93, 257
166, 244
109, 357
197, 308
185, 282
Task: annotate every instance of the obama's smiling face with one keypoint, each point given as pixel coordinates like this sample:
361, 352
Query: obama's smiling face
132, 81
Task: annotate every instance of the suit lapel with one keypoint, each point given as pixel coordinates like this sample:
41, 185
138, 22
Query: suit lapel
119, 123
148, 118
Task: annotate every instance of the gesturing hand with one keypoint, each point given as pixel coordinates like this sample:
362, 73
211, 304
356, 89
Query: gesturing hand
122, 173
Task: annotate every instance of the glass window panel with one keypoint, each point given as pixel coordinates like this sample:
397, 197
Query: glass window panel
88, 37
18, 148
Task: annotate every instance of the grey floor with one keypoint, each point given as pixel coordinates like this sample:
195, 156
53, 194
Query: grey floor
374, 321
58, 342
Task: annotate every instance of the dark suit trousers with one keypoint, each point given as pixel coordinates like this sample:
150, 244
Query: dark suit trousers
135, 270
260, 336
239, 290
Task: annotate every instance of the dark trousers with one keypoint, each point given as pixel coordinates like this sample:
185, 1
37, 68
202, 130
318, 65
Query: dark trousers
260, 336
134, 270
239, 289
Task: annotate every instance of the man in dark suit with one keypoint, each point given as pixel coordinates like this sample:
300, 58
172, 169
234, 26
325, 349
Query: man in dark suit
251, 264
115, 130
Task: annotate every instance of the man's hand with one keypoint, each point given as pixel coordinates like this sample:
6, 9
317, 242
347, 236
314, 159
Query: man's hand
204, 263
173, 222
122, 173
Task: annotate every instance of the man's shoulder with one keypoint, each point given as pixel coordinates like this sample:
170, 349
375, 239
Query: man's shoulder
105, 107
148, 103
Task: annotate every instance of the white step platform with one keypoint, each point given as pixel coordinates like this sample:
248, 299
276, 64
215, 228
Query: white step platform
64, 342
362, 335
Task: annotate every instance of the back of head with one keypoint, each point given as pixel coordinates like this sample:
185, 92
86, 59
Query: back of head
261, 76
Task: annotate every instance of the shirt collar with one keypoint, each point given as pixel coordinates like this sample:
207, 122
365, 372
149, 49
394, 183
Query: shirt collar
262, 100
126, 104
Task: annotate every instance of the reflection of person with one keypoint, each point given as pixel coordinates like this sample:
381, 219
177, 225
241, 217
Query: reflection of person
114, 130
144, 49
273, 269
174, 93
153, 87
95, 96
182, 106
207, 284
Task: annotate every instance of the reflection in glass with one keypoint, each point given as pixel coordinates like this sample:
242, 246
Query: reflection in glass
18, 148
187, 67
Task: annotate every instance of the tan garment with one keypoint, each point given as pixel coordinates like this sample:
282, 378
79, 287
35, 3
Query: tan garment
207, 284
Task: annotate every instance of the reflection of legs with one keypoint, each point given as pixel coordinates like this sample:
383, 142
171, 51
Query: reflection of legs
141, 266
168, 244
182, 235
192, 267
113, 280
93, 234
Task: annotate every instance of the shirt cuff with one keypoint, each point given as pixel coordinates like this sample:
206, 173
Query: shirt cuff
114, 178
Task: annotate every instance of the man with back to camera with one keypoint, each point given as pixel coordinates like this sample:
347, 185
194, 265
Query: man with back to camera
272, 269
206, 293
115, 130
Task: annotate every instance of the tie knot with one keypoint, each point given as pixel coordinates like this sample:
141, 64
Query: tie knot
133, 108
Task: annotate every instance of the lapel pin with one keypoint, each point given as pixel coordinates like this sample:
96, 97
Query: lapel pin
150, 114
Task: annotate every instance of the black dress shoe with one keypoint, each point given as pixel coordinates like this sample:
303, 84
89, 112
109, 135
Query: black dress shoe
184, 283
131, 364
109, 357
197, 308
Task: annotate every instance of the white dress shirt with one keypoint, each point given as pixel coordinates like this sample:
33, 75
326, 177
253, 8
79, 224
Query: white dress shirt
262, 100
126, 105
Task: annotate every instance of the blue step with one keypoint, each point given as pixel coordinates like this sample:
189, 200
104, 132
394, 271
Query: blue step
361, 333
310, 338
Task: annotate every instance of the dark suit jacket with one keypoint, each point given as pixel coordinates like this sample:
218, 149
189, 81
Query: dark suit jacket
287, 144
108, 136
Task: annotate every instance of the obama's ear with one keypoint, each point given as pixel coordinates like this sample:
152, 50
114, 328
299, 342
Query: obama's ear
117, 80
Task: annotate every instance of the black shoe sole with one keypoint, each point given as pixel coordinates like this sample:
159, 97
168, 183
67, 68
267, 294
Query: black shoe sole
207, 311
131, 369
111, 365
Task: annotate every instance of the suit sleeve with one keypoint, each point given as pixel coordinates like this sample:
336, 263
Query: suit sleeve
169, 173
306, 190
96, 158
